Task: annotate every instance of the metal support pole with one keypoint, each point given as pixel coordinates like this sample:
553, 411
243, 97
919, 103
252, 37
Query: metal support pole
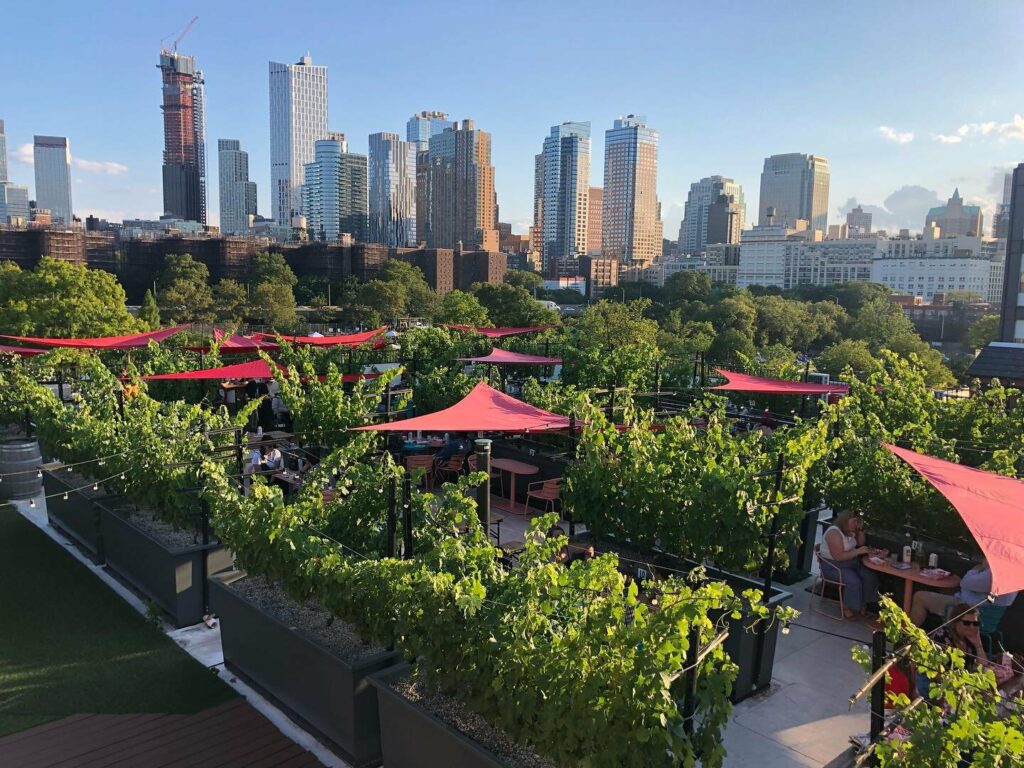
769, 575
28, 423
204, 515
483, 491
611, 404
387, 403
690, 681
657, 384
392, 519
238, 452
350, 360
120, 403
878, 691
60, 387
407, 517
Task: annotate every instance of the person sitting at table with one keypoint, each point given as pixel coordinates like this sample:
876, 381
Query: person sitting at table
454, 446
273, 459
842, 547
975, 587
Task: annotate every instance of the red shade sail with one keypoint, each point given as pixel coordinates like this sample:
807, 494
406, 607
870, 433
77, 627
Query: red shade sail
348, 340
130, 341
235, 344
23, 351
254, 369
741, 382
504, 357
484, 409
991, 505
496, 333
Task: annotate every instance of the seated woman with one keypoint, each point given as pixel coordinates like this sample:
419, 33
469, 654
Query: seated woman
841, 549
963, 634
975, 587
273, 459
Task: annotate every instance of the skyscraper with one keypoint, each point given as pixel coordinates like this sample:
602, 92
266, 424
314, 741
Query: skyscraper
693, 230
795, 186
13, 197
392, 189
594, 221
631, 229
461, 189
858, 221
52, 158
237, 193
1011, 321
955, 218
421, 127
1001, 218
298, 118
334, 196
184, 108
564, 186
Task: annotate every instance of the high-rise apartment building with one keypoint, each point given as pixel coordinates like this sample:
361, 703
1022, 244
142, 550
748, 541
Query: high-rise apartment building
334, 196
392, 189
1001, 218
13, 197
694, 229
562, 179
421, 127
858, 222
954, 218
594, 221
52, 159
631, 228
184, 108
237, 193
461, 189
298, 118
794, 187
1011, 322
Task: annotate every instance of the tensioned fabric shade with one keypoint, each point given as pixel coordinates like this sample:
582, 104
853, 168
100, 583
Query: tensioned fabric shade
504, 357
130, 341
484, 409
23, 351
348, 340
235, 344
991, 505
741, 382
254, 369
496, 333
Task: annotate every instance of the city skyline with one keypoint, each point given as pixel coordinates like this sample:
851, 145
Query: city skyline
902, 137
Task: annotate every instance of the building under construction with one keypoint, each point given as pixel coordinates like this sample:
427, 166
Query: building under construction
183, 106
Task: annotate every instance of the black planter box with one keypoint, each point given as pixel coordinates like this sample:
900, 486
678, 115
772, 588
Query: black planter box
753, 651
414, 738
76, 517
329, 695
171, 578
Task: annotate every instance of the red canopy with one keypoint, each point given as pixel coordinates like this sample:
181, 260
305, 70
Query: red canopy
741, 382
236, 343
349, 340
254, 369
504, 357
484, 409
497, 333
23, 351
130, 341
991, 505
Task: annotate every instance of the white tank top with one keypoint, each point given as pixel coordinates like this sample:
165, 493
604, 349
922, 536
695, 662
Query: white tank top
849, 542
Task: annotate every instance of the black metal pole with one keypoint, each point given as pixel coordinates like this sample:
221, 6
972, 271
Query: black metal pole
407, 517
387, 403
878, 691
611, 404
238, 452
392, 518
657, 384
350, 360
204, 515
60, 387
773, 533
483, 491
120, 403
28, 423
690, 681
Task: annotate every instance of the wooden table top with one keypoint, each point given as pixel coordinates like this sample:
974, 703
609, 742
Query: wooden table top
913, 573
516, 467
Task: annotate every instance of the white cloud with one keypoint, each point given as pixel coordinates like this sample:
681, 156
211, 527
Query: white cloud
1014, 129
900, 137
24, 154
106, 167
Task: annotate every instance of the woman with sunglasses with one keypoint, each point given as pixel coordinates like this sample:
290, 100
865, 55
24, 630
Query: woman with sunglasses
963, 633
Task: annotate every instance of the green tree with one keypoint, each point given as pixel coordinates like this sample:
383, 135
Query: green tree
149, 312
783, 321
830, 321
230, 301
852, 354
184, 291
312, 290
735, 312
687, 286
510, 305
274, 304
612, 343
463, 308
730, 345
58, 298
525, 279
982, 331
271, 268
386, 299
880, 320
420, 299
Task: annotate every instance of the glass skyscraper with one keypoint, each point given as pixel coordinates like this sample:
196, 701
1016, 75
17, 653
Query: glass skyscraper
421, 127
693, 230
334, 195
795, 187
564, 186
392, 189
13, 197
237, 193
184, 108
52, 159
631, 226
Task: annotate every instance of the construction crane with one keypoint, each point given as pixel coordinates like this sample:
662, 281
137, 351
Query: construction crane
178, 39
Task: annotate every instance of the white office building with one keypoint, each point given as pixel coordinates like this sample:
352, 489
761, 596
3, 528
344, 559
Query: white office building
237, 193
694, 229
786, 257
52, 158
794, 187
929, 265
298, 118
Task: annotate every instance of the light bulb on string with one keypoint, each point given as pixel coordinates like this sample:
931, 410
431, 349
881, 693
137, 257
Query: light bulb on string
65, 495
32, 503
95, 486
39, 474
122, 475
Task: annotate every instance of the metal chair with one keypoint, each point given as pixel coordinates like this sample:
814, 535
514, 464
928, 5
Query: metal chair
549, 491
830, 574
471, 462
451, 466
426, 463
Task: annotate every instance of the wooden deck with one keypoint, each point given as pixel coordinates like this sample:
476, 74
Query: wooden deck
232, 734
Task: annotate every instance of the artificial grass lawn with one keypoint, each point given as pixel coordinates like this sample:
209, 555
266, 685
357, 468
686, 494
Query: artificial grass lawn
68, 644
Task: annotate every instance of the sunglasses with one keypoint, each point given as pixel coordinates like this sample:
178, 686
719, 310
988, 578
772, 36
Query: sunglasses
971, 623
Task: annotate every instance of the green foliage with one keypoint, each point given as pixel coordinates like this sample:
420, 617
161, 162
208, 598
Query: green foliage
58, 298
230, 301
434, 347
463, 308
511, 306
149, 312
386, 300
848, 355
273, 304
611, 344
525, 279
184, 292
440, 388
982, 331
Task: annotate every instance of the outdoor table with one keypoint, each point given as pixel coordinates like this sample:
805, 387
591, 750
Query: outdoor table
514, 468
910, 576
496, 521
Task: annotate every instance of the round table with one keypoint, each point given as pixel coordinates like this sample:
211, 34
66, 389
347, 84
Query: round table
910, 576
514, 468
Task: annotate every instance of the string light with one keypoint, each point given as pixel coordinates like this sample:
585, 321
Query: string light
95, 486
32, 503
122, 475
65, 495
39, 474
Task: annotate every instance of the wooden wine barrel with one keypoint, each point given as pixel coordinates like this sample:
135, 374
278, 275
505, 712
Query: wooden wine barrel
19, 463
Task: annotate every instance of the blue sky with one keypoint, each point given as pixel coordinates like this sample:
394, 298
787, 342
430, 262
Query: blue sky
725, 84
